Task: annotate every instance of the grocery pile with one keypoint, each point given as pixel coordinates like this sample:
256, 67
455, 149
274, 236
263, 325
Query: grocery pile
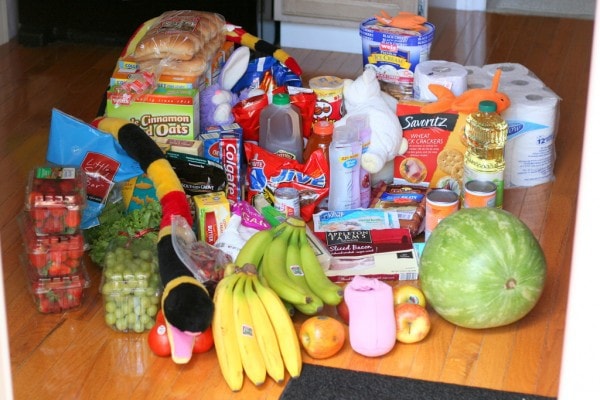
52, 237
261, 226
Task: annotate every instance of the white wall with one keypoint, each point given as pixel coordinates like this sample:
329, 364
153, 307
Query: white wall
579, 374
6, 391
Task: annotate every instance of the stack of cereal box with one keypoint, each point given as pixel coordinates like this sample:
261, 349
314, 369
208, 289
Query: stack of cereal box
53, 239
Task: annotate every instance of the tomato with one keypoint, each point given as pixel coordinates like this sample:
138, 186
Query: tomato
158, 340
204, 341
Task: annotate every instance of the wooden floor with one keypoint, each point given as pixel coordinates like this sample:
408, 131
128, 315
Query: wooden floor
76, 356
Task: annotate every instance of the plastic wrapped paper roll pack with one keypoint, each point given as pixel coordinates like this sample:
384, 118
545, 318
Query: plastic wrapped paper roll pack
532, 127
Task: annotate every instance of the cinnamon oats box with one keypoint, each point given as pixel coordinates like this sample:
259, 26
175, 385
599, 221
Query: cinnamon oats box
435, 154
167, 113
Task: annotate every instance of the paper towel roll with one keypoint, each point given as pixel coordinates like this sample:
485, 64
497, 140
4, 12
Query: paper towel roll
508, 69
530, 152
479, 81
445, 73
473, 70
526, 82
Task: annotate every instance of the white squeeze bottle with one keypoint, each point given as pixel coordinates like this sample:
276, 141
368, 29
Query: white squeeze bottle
360, 122
280, 129
344, 157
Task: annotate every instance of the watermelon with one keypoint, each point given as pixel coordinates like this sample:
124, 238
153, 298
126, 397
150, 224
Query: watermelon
482, 268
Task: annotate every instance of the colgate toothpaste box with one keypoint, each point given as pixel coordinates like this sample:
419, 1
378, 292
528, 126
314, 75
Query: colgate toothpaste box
232, 159
386, 254
224, 144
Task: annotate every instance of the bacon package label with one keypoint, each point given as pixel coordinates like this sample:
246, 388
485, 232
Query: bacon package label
267, 171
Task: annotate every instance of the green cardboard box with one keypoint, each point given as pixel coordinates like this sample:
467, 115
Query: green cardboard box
170, 113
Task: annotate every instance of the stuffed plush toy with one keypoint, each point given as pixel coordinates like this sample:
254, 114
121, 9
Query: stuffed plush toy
237, 35
216, 101
468, 102
363, 96
187, 306
402, 20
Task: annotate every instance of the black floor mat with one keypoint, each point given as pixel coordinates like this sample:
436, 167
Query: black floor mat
326, 383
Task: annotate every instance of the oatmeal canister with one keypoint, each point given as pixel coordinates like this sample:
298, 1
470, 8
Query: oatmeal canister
439, 203
394, 53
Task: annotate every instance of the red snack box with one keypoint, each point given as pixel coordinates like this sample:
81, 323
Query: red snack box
52, 255
55, 199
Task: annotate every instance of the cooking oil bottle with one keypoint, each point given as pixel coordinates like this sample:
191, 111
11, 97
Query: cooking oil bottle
485, 133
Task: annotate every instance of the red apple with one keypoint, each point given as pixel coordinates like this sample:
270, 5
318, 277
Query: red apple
412, 322
343, 312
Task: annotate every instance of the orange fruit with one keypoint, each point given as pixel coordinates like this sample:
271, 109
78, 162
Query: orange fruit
322, 336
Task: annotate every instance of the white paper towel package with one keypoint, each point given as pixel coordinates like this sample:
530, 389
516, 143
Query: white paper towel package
451, 75
532, 125
532, 121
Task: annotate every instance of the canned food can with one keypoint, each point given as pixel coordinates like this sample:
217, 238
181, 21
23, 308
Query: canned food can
479, 194
330, 103
439, 203
287, 200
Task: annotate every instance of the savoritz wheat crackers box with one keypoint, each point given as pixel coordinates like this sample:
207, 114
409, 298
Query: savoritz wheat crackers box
172, 113
435, 154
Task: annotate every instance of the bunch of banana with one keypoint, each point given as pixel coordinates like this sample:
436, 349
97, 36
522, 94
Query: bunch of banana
253, 331
288, 264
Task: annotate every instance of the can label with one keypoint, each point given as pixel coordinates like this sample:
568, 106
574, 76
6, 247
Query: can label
330, 102
439, 203
497, 177
479, 194
287, 200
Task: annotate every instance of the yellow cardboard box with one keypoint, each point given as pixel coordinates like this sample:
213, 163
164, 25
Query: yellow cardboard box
212, 215
435, 154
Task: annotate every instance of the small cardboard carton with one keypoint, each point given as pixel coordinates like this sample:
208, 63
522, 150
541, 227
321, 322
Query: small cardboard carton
212, 215
172, 113
435, 154
386, 254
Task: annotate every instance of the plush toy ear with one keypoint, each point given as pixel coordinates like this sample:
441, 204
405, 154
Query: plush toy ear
234, 68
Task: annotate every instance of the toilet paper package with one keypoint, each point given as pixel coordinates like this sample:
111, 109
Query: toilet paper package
451, 75
532, 127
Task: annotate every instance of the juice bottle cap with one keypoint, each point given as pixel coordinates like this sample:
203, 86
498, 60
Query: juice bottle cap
281, 99
487, 106
323, 128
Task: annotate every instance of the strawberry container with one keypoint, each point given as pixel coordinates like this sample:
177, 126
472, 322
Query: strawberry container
130, 284
55, 199
51, 255
58, 294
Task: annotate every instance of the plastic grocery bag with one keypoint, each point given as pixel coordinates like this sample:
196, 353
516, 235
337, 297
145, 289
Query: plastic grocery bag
75, 143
